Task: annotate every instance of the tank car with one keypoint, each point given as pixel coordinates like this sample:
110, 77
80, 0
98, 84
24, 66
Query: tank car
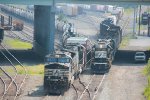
1, 34
60, 71
62, 27
18, 12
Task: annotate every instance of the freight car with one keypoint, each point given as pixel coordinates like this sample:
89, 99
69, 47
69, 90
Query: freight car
18, 12
60, 70
18, 25
145, 18
104, 51
62, 27
98, 8
1, 34
15, 25
72, 10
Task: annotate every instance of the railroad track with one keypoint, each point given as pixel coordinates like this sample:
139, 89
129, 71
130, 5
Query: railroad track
88, 87
13, 83
13, 35
92, 88
26, 33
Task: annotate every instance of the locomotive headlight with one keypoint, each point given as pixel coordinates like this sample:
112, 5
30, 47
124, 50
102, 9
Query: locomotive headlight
101, 46
61, 77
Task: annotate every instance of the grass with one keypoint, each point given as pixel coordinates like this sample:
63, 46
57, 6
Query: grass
17, 44
147, 73
128, 11
31, 70
125, 40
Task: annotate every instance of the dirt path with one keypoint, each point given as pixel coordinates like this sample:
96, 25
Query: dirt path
124, 82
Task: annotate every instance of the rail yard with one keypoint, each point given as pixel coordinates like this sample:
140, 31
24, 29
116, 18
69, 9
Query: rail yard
93, 56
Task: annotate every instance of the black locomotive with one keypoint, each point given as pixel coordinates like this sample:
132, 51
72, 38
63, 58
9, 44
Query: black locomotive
145, 18
104, 51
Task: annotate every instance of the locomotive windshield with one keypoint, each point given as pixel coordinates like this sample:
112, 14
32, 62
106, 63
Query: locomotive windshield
58, 60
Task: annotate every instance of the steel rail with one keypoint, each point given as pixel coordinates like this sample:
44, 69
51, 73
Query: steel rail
16, 73
25, 70
4, 84
12, 80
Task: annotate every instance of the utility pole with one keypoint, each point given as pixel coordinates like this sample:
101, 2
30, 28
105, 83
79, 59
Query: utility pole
139, 20
134, 21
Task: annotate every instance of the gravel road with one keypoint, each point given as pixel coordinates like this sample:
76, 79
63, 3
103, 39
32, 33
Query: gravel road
124, 82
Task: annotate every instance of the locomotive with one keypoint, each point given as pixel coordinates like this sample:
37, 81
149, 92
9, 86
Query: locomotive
104, 50
102, 56
145, 18
60, 70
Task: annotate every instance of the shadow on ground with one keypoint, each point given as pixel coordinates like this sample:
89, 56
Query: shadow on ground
24, 56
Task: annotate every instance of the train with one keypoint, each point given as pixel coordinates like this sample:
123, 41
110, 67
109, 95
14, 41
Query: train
1, 34
22, 13
64, 66
71, 10
60, 71
145, 16
106, 47
17, 25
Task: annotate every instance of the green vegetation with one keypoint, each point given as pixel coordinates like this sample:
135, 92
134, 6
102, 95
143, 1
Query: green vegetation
125, 40
147, 73
31, 70
14, 43
128, 11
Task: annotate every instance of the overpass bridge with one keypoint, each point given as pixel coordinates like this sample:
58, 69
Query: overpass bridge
44, 18
50, 2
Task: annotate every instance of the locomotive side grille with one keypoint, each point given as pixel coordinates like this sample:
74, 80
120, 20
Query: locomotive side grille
57, 72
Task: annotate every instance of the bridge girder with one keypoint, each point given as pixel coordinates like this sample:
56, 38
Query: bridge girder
50, 2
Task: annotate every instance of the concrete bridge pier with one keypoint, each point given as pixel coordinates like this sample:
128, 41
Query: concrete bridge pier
44, 29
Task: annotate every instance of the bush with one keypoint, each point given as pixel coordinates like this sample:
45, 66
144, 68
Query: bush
147, 73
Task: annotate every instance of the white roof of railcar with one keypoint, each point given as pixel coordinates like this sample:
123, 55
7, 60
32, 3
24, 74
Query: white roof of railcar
80, 40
